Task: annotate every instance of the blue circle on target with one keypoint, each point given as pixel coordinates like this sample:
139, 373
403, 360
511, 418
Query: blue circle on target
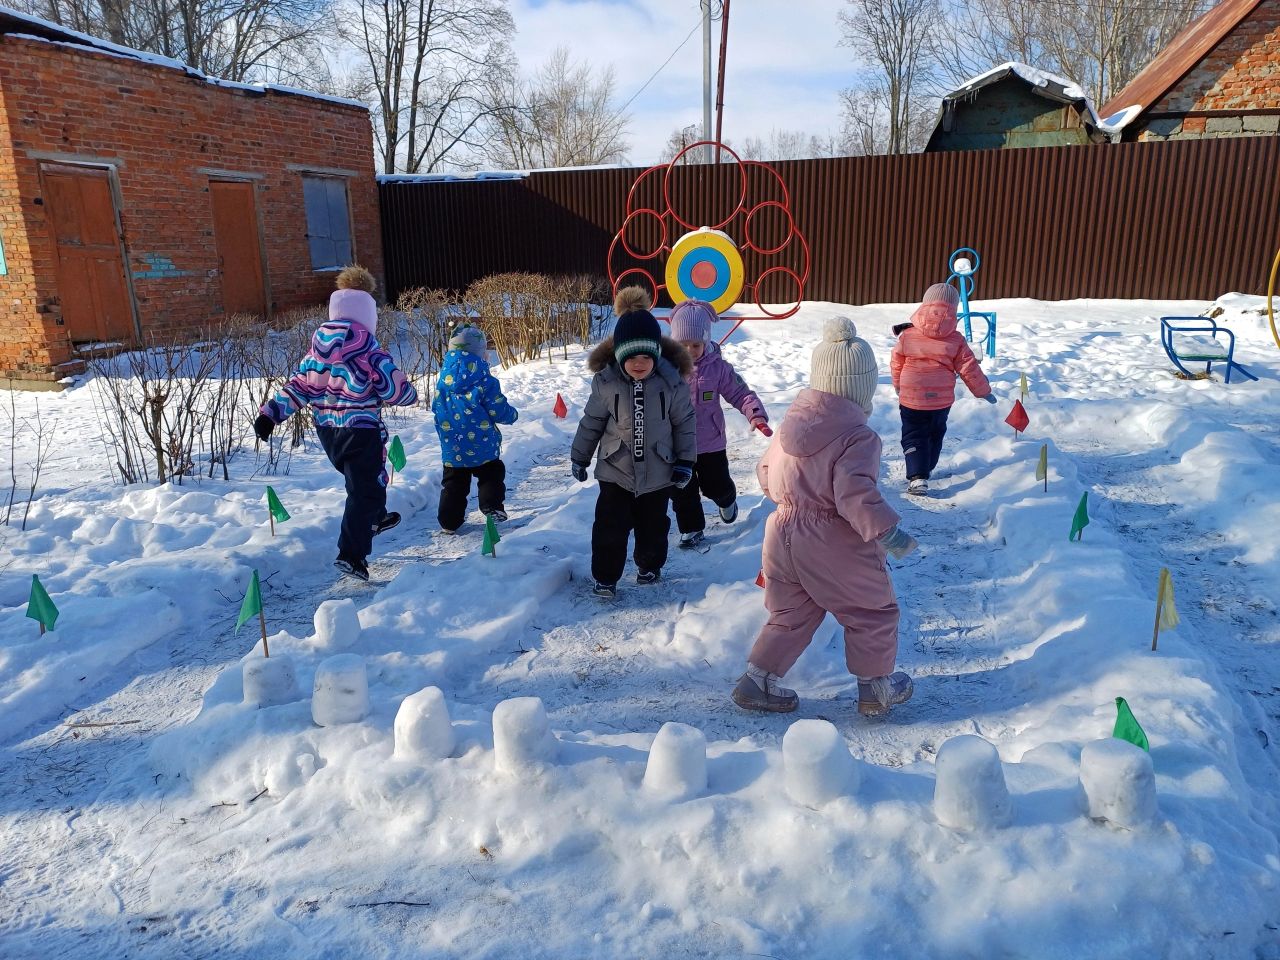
718, 261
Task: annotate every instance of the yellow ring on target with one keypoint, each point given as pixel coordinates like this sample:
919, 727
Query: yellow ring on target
705, 265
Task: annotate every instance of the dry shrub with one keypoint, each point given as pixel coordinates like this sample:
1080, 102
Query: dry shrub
524, 314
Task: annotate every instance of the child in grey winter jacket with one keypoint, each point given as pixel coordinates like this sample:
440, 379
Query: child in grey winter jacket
641, 421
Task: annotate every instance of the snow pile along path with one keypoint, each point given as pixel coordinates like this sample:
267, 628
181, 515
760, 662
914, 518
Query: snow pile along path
578, 782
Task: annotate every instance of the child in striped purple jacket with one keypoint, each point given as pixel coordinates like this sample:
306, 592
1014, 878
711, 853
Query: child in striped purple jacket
345, 378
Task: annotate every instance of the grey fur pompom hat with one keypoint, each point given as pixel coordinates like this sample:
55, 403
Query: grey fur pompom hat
844, 364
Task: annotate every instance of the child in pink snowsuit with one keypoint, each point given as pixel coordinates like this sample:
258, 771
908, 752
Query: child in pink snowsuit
928, 357
825, 545
713, 377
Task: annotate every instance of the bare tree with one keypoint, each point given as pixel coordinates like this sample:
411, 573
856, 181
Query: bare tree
563, 117
680, 139
896, 37
1100, 44
790, 145
239, 40
428, 68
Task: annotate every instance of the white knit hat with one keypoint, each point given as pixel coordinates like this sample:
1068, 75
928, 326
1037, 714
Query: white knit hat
844, 364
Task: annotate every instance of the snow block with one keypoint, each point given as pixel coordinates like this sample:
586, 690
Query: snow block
817, 765
1119, 782
521, 735
337, 624
423, 730
677, 767
341, 693
969, 792
269, 681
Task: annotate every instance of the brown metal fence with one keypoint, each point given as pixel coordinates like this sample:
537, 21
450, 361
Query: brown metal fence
1174, 220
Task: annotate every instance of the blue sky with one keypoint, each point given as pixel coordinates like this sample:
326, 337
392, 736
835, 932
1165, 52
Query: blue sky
784, 70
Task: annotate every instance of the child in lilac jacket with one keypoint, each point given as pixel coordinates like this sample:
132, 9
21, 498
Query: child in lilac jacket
713, 377
345, 379
825, 545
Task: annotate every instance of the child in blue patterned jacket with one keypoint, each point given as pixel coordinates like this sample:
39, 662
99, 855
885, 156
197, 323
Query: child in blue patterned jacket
468, 407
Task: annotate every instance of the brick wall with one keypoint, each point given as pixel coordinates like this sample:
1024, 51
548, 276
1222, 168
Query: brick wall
1241, 75
163, 131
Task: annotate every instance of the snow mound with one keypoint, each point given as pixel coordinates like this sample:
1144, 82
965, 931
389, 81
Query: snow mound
817, 763
1119, 782
970, 793
522, 737
341, 693
423, 730
677, 767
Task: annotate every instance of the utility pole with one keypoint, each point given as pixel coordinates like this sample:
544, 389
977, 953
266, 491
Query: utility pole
706, 78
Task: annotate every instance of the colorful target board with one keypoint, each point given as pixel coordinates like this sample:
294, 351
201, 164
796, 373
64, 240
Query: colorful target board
705, 265
708, 263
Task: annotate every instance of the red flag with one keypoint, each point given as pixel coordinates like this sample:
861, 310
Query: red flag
760, 579
560, 410
1017, 417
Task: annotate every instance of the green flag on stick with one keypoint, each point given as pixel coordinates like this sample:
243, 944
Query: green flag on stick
395, 453
252, 602
1042, 468
278, 513
1127, 728
491, 538
40, 607
1081, 519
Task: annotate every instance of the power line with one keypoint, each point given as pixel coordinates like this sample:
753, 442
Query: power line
623, 109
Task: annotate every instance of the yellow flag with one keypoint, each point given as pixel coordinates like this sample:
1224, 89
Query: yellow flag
1168, 611
1042, 468
1022, 385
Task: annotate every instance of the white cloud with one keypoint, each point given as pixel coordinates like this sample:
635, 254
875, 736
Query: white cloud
784, 68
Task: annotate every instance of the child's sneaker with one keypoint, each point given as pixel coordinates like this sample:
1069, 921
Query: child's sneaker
759, 690
352, 567
646, 577
730, 513
606, 590
690, 540
877, 695
499, 516
388, 521
918, 487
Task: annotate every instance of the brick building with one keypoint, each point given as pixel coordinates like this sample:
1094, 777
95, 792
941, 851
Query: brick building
1220, 77
140, 198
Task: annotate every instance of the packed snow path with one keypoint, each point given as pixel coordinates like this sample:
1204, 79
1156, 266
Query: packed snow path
253, 832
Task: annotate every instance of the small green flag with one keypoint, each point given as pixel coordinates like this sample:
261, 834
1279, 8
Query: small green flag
252, 602
39, 606
395, 453
1022, 384
278, 512
1127, 727
1042, 468
1081, 519
491, 538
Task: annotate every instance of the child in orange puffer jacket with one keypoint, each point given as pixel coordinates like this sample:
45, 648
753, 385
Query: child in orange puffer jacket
928, 357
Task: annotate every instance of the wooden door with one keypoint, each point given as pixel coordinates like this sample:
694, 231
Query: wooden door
235, 233
92, 288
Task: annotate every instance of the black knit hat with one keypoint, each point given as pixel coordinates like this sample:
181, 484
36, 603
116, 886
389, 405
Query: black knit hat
636, 332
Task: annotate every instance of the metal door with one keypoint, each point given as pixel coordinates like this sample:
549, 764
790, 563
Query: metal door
96, 301
235, 233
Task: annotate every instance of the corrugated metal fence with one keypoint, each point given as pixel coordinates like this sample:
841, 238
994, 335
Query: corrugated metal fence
1175, 220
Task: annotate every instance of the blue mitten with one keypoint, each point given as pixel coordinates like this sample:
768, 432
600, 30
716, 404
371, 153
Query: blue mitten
579, 471
681, 474
990, 398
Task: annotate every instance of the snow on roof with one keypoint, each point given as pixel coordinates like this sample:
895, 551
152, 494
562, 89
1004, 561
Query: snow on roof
1051, 85
24, 26
460, 177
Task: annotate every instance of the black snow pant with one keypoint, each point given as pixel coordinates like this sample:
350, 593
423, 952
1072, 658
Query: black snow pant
491, 487
922, 434
618, 512
358, 453
711, 480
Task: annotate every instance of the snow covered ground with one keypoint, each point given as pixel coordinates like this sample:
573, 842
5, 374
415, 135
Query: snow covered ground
146, 811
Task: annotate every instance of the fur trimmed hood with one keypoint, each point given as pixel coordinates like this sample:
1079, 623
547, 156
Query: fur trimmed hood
672, 352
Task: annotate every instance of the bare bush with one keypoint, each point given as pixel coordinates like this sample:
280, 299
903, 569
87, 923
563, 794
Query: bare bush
42, 435
524, 314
